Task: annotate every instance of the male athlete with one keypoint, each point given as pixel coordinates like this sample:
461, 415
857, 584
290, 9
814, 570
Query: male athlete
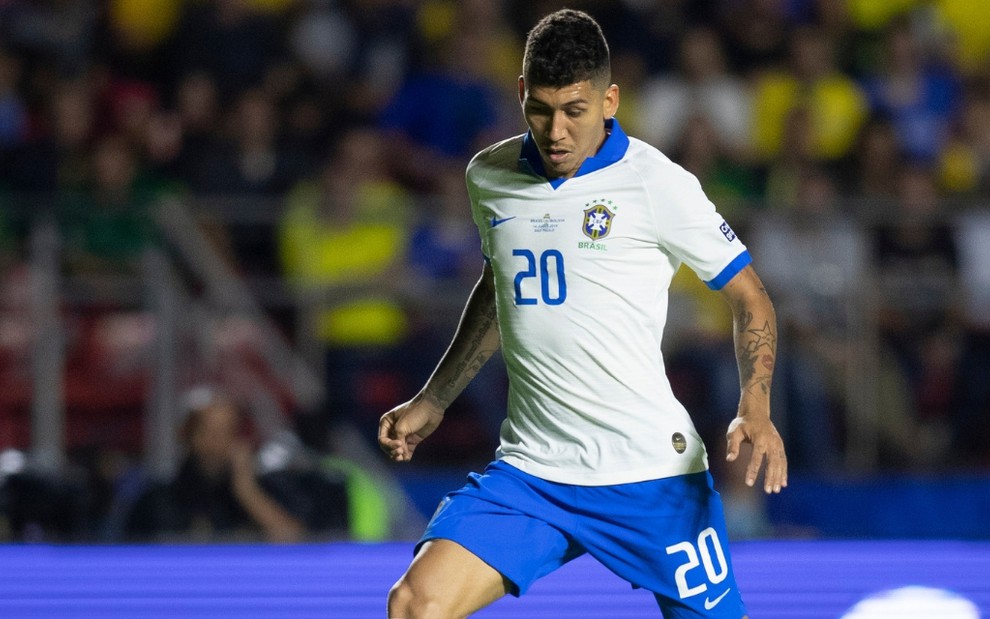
582, 229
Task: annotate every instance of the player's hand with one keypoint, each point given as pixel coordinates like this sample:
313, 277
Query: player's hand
404, 427
760, 432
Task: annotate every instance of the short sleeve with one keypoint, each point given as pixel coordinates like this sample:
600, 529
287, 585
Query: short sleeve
690, 228
477, 212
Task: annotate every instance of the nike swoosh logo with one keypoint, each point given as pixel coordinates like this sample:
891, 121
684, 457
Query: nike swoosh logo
710, 604
499, 222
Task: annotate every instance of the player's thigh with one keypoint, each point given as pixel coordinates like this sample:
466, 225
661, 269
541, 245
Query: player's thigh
445, 580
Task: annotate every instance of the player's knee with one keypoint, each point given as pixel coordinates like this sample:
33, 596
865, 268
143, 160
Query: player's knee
406, 601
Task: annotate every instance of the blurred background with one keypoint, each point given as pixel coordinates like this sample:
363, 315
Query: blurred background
233, 233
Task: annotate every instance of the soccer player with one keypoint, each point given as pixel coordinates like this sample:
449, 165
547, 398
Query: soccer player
582, 229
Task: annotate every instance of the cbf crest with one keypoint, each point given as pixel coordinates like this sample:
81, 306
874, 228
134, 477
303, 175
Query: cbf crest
597, 222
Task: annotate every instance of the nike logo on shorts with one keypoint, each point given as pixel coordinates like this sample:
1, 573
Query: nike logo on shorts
710, 604
499, 222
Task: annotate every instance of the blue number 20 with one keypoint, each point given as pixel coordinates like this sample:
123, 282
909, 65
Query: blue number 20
544, 276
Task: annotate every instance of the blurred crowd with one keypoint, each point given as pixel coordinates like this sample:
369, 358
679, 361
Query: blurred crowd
322, 143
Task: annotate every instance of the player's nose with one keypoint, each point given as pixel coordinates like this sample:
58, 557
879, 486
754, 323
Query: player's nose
557, 127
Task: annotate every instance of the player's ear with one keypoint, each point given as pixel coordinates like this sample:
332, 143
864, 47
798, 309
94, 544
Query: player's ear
611, 102
522, 90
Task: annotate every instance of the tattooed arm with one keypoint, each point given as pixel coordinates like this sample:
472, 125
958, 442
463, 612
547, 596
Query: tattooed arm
755, 338
475, 341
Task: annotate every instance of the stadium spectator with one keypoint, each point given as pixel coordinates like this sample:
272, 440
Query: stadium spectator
756, 34
835, 104
248, 160
106, 222
60, 34
441, 248
490, 22
160, 146
193, 118
197, 101
56, 155
443, 112
324, 40
654, 30
385, 47
141, 26
128, 106
216, 494
701, 87
782, 174
964, 37
871, 16
872, 171
42, 507
729, 183
917, 96
917, 272
309, 124
341, 242
231, 40
964, 164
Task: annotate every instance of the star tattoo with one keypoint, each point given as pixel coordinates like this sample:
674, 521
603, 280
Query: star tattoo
764, 337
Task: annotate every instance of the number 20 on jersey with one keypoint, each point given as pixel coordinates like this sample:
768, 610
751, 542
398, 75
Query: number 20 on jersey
548, 271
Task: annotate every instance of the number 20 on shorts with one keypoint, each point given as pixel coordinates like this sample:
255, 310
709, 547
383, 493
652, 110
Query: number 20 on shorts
707, 553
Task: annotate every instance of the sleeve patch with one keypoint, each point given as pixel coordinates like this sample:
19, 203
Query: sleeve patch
727, 231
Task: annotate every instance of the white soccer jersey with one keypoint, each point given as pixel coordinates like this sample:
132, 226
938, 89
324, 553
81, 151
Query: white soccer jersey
582, 268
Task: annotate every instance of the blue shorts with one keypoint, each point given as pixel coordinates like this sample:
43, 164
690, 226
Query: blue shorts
667, 535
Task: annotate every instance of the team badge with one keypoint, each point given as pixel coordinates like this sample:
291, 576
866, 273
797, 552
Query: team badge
597, 222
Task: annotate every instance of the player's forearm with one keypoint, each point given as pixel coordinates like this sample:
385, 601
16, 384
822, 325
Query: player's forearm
475, 341
755, 339
756, 351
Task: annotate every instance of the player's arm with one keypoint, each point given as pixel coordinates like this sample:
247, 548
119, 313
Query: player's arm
755, 338
475, 341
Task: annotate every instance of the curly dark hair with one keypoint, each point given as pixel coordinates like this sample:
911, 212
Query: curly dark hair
566, 47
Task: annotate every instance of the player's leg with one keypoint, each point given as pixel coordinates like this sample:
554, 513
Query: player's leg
667, 536
496, 535
445, 580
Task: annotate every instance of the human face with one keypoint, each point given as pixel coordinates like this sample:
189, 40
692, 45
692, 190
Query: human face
568, 123
214, 436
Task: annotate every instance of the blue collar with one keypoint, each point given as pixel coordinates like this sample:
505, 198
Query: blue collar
612, 150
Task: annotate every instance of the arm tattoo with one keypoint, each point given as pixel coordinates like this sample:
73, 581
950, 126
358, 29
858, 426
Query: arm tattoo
756, 349
471, 348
